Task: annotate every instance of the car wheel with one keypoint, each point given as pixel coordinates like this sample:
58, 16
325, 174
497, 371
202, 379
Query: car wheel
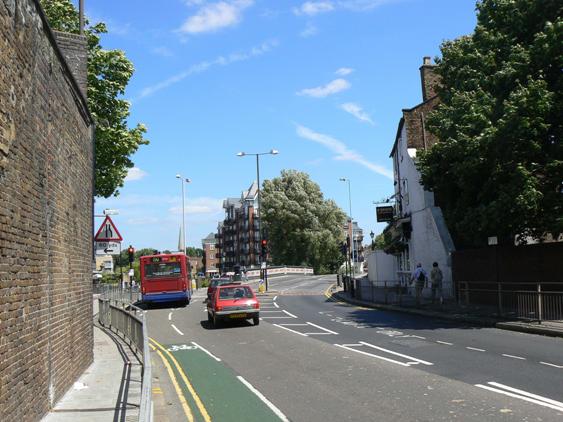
215, 321
209, 319
256, 320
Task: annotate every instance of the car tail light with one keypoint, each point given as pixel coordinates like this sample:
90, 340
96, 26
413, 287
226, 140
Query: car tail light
219, 308
143, 289
256, 305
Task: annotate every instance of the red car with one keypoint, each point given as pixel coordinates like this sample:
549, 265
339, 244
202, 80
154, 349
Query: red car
217, 282
232, 302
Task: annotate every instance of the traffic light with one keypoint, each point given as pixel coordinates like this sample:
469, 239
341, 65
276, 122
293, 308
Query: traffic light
131, 253
264, 248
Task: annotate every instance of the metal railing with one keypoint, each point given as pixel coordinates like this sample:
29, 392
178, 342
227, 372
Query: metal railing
117, 313
530, 301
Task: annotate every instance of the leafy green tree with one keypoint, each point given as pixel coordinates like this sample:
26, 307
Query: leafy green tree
303, 227
379, 242
498, 168
195, 252
109, 72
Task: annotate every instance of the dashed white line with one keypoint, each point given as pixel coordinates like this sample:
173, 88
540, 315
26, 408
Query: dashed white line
289, 329
444, 342
551, 364
513, 357
206, 351
476, 349
275, 297
179, 332
268, 403
288, 313
170, 316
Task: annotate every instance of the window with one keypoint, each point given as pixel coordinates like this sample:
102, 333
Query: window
238, 292
163, 269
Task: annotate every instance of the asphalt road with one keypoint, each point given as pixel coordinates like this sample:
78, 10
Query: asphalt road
313, 359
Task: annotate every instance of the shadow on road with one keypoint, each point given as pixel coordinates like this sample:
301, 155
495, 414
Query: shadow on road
165, 305
229, 325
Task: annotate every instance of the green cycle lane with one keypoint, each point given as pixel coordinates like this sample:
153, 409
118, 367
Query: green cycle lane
224, 396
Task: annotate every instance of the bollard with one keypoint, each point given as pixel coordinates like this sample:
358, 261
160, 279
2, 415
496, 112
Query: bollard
540, 316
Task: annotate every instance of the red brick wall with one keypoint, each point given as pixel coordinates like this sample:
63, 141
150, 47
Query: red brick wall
46, 165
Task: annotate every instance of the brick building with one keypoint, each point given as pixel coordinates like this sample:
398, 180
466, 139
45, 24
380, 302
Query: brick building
46, 191
210, 254
238, 238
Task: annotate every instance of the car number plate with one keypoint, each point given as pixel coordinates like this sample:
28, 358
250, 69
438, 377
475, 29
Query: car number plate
238, 315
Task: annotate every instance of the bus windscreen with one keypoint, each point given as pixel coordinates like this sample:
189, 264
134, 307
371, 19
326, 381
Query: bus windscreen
162, 270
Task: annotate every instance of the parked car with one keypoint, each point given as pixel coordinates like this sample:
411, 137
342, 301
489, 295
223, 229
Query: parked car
217, 282
233, 302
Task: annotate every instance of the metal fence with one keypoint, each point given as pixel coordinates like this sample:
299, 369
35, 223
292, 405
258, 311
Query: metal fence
524, 300
118, 293
117, 312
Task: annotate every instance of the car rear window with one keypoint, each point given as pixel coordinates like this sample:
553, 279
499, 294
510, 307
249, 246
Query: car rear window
235, 292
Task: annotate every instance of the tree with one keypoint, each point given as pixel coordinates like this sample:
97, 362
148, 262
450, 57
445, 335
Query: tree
303, 227
109, 72
195, 252
498, 167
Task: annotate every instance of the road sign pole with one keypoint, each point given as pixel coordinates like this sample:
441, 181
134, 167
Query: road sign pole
120, 265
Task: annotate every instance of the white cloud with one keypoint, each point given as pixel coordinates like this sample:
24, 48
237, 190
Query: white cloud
311, 8
309, 31
205, 65
331, 88
212, 17
203, 205
357, 111
135, 173
344, 71
341, 150
162, 51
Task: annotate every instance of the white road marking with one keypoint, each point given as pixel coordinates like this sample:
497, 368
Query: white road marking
275, 297
276, 317
206, 351
268, 403
261, 311
476, 349
295, 325
371, 354
179, 332
522, 395
321, 328
318, 334
276, 305
170, 316
513, 357
288, 313
289, 329
396, 353
551, 364
444, 342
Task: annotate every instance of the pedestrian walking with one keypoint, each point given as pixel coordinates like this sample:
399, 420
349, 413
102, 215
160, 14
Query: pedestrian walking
420, 278
436, 278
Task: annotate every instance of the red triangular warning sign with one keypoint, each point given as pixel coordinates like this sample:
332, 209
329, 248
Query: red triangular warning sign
108, 232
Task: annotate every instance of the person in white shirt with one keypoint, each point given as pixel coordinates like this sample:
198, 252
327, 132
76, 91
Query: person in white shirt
420, 278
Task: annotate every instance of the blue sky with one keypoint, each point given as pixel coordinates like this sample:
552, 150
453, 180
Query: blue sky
323, 82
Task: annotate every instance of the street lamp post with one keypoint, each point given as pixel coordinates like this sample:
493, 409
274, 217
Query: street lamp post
344, 179
243, 154
182, 180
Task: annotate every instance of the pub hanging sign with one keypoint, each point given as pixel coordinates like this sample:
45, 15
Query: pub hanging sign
384, 214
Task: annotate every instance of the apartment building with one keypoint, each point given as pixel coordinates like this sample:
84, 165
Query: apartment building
238, 238
208, 245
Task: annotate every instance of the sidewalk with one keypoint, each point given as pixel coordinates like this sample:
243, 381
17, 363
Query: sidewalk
110, 389
453, 312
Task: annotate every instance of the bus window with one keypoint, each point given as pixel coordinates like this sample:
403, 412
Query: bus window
155, 270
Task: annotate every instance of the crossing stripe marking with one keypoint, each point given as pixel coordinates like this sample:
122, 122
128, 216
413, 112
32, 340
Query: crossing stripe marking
522, 395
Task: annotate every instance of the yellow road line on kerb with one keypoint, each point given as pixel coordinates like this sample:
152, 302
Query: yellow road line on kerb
177, 387
331, 297
184, 377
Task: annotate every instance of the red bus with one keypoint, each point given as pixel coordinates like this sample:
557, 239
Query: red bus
165, 278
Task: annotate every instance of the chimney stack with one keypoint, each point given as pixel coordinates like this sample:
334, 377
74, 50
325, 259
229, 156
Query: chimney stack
429, 79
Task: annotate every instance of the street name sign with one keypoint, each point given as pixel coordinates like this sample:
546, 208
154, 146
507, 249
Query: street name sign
108, 232
107, 248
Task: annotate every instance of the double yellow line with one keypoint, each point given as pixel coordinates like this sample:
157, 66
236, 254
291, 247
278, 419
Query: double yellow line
162, 351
